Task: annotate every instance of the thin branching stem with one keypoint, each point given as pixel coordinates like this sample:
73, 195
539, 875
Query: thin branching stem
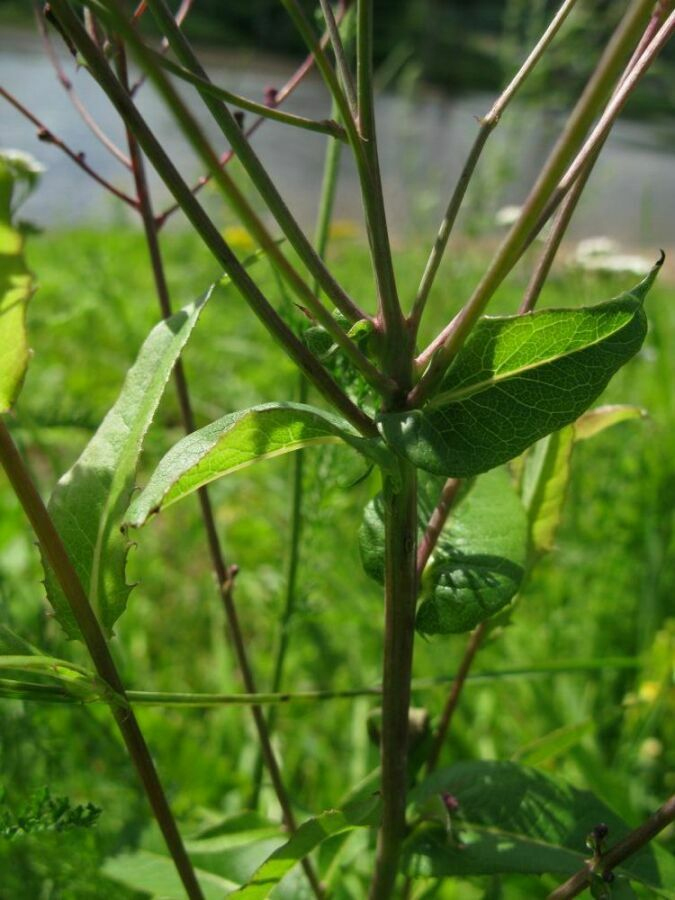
436, 357
181, 14
275, 99
487, 125
55, 552
203, 225
244, 209
47, 136
223, 573
621, 851
569, 204
72, 94
340, 56
320, 126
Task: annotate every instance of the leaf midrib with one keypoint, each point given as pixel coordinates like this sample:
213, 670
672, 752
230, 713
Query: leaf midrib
459, 394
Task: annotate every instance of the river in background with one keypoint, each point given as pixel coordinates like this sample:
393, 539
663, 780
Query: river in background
423, 141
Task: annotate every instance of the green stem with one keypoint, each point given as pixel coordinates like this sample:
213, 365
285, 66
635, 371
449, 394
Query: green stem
487, 126
236, 198
340, 56
203, 225
400, 516
206, 87
57, 556
221, 570
439, 353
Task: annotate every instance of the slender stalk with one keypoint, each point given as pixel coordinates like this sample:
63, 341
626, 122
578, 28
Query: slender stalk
61, 694
47, 136
249, 159
203, 225
436, 522
566, 211
399, 341
487, 126
400, 515
621, 851
275, 100
58, 559
72, 94
472, 647
340, 56
206, 87
364, 147
247, 214
438, 354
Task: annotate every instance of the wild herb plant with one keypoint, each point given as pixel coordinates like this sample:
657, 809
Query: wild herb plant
471, 436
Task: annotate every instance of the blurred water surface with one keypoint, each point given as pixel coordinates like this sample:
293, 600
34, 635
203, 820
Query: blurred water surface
423, 140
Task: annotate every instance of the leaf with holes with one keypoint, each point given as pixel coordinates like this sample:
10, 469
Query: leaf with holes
517, 379
89, 502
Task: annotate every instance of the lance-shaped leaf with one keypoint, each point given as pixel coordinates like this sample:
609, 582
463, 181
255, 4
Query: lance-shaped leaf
546, 470
239, 440
89, 501
478, 561
310, 834
517, 379
509, 818
16, 287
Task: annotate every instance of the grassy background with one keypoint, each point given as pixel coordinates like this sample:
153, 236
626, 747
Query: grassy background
607, 591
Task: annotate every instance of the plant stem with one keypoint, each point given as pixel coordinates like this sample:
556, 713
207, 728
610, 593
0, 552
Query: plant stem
621, 851
319, 126
224, 575
47, 136
254, 168
439, 353
436, 522
455, 691
208, 232
566, 211
58, 559
340, 56
487, 126
400, 516
245, 211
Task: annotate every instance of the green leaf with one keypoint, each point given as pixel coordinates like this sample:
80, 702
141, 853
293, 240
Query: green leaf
16, 288
546, 474
514, 819
546, 470
156, 874
89, 501
309, 835
517, 379
554, 743
239, 440
478, 563
596, 420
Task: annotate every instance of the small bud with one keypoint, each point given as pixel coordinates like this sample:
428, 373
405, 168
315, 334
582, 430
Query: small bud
270, 95
608, 877
600, 831
450, 802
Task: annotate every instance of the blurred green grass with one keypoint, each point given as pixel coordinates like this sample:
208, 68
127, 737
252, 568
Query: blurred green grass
607, 591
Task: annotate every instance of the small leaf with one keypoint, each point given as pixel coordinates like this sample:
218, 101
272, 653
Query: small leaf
515, 819
478, 564
309, 835
517, 379
155, 874
89, 501
239, 440
16, 288
596, 420
546, 475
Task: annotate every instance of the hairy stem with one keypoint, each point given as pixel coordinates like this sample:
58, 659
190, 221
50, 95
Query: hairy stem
400, 516
55, 552
621, 851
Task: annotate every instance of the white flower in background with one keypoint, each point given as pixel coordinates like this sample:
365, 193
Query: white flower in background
602, 254
507, 215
